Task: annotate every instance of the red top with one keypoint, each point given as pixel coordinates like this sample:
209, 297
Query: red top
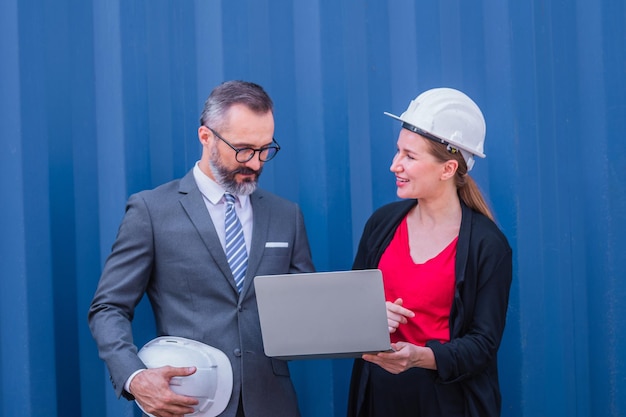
427, 289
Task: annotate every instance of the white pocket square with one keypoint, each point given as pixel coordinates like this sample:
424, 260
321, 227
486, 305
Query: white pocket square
276, 244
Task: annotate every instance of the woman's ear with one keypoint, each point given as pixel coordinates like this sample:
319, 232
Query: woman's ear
449, 169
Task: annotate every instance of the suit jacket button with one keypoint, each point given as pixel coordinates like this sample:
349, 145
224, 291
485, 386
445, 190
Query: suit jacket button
237, 352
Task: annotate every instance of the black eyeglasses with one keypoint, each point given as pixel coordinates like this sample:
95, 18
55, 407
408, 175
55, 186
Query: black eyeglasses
243, 155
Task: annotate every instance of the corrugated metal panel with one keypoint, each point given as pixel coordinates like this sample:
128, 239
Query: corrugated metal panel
101, 99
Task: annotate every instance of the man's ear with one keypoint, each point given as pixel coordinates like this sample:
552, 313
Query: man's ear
204, 134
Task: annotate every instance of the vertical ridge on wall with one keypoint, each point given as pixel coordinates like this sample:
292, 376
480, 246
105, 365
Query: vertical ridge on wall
334, 147
185, 94
58, 55
209, 51
503, 173
159, 91
608, 208
111, 173
524, 136
567, 119
30, 308
86, 210
281, 58
15, 393
134, 60
358, 116
308, 114
405, 62
554, 213
589, 28
378, 82
109, 118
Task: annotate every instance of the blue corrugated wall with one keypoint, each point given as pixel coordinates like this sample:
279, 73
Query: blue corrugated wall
101, 98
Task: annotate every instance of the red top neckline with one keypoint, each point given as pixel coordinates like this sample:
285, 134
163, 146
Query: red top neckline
427, 289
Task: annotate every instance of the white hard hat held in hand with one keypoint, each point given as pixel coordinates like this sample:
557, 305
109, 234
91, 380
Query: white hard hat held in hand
211, 384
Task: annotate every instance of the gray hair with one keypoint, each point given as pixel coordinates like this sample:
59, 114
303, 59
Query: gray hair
229, 93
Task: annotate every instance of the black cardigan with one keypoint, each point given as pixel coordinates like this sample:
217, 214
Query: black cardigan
483, 278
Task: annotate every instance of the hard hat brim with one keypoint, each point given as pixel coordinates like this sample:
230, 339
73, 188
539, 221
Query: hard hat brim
445, 141
393, 116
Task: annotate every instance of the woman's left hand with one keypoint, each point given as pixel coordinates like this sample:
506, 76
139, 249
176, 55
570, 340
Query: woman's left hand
397, 315
404, 356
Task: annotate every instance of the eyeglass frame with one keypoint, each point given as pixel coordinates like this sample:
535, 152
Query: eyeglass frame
273, 145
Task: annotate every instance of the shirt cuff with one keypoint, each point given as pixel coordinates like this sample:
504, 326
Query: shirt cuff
130, 379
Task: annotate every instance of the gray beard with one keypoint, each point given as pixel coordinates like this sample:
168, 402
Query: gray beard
226, 179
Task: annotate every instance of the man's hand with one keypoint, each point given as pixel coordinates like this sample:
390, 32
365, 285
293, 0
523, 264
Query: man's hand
151, 389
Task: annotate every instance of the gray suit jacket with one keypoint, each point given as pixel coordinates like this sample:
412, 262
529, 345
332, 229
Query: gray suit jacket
167, 247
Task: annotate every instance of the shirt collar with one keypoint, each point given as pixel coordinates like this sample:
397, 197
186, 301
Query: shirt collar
211, 190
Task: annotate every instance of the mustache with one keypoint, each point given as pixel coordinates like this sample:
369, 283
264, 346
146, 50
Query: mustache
245, 171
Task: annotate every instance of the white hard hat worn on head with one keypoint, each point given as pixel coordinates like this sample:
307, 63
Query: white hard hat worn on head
450, 117
211, 384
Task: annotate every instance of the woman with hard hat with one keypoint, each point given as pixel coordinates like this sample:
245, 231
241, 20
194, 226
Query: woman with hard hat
447, 271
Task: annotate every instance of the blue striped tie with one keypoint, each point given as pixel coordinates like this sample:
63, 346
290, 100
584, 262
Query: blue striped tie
235, 244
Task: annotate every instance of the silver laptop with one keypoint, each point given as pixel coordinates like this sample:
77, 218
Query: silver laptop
322, 314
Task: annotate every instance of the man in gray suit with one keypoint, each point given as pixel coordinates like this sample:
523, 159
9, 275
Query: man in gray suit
171, 245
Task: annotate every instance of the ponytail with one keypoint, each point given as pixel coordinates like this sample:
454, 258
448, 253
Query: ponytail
468, 191
470, 194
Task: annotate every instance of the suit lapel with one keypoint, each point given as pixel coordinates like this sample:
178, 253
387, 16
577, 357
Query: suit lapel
193, 204
261, 215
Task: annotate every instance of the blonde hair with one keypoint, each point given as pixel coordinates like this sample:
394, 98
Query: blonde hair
466, 187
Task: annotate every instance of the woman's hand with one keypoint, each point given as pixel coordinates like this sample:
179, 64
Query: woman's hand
404, 356
396, 314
